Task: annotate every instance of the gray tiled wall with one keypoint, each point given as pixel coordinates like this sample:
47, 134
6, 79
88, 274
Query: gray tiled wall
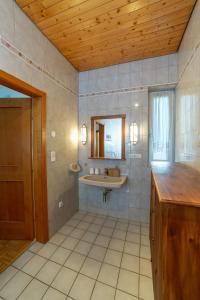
188, 95
116, 90
53, 74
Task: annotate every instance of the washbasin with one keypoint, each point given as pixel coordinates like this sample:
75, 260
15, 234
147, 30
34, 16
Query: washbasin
104, 181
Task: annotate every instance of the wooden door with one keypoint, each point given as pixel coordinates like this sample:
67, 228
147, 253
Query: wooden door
16, 201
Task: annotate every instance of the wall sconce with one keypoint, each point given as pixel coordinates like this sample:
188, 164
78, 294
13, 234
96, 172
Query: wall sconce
134, 133
83, 134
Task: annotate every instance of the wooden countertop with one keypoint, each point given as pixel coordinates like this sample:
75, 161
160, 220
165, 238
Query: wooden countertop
177, 184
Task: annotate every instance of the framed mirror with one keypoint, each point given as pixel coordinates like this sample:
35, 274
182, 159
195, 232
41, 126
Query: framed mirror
108, 137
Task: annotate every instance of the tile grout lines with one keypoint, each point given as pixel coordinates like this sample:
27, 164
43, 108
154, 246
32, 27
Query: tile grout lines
86, 256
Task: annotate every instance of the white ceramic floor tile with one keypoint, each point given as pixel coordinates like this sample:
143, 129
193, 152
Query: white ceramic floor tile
113, 257
35, 247
57, 238
122, 226
77, 233
34, 291
145, 230
97, 253
94, 228
110, 223
47, 250
130, 262
134, 228
145, 267
108, 275
119, 234
53, 294
73, 223
7, 275
66, 229
79, 215
110, 218
82, 288
15, 286
116, 244
75, 261
48, 272
106, 231
146, 288
99, 221
133, 237
89, 237
83, 225
123, 220
90, 268
128, 282
60, 255
88, 218
145, 240
92, 214
23, 259
83, 247
124, 296
70, 243
64, 280
103, 292
145, 252
102, 241
132, 248
76, 217
33, 266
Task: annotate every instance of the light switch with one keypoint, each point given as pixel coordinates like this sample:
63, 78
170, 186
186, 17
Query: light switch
53, 134
53, 156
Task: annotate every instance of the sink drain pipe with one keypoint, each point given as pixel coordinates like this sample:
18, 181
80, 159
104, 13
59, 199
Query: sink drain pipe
106, 192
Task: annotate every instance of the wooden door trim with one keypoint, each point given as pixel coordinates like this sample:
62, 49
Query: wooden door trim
39, 151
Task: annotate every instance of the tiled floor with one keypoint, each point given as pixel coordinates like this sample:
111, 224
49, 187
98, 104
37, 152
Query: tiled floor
91, 257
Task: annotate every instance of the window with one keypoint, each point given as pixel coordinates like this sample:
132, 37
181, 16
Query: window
162, 126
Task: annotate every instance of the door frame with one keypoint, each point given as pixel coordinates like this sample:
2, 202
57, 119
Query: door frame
39, 152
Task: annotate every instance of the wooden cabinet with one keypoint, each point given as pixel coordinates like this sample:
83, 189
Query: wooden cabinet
175, 232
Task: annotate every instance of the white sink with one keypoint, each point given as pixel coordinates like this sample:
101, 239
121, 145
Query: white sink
104, 181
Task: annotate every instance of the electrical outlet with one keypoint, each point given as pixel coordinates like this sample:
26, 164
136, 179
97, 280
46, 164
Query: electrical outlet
60, 204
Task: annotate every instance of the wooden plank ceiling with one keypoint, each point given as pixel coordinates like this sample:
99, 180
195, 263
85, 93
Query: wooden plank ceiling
98, 33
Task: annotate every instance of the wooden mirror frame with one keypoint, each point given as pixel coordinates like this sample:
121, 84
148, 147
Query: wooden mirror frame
93, 119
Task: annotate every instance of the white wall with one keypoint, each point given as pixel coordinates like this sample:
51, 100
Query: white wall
188, 94
116, 90
28, 55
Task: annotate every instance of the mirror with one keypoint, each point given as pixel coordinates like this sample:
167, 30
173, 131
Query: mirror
108, 137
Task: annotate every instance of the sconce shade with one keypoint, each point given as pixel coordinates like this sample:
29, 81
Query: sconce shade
83, 134
134, 133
